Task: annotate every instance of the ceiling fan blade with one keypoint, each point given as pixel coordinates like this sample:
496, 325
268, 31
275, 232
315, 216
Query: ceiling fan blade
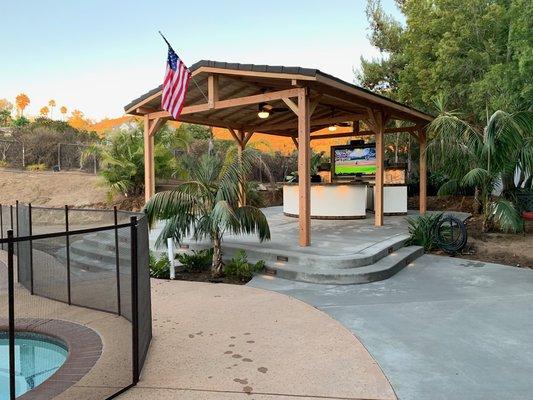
279, 109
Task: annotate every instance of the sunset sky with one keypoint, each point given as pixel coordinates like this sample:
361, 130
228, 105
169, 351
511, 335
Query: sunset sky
98, 55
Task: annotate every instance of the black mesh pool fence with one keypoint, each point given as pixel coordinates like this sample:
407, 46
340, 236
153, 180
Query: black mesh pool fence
70, 280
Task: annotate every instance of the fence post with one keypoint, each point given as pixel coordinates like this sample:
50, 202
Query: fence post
11, 313
30, 230
134, 301
17, 234
2, 224
67, 241
117, 260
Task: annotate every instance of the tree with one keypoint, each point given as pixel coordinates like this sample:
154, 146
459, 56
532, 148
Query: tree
63, 110
5, 112
77, 120
206, 206
485, 159
480, 57
22, 101
122, 161
52, 104
44, 111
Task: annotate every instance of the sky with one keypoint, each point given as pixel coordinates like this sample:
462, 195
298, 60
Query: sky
97, 55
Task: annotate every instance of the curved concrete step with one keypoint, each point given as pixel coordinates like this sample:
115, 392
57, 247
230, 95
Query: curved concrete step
382, 269
104, 254
92, 264
273, 256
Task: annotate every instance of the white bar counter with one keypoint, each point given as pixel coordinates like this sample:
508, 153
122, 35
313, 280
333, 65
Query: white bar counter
394, 198
329, 200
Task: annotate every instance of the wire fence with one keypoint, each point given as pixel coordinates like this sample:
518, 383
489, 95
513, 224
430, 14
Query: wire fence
59, 270
62, 156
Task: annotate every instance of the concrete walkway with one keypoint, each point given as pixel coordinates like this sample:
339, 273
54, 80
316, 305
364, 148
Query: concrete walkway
442, 328
217, 341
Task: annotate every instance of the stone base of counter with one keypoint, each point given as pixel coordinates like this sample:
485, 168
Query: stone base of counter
344, 217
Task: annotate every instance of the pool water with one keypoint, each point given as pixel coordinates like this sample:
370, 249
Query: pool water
37, 357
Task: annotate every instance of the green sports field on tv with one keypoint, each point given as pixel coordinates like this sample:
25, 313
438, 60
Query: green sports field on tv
355, 160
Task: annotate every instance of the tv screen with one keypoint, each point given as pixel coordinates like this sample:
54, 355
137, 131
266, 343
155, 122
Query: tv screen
355, 160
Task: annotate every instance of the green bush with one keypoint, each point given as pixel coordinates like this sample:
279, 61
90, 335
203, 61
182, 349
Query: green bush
239, 267
3, 164
423, 230
159, 268
197, 261
36, 167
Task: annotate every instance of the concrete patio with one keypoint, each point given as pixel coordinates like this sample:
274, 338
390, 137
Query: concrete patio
442, 328
237, 342
341, 251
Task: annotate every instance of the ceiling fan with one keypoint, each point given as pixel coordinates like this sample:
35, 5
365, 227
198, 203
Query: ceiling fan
265, 109
333, 127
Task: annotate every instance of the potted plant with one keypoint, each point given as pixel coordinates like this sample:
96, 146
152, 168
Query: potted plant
315, 164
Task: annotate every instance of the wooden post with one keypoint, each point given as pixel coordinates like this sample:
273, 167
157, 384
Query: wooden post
149, 170
240, 148
377, 121
423, 172
304, 164
380, 164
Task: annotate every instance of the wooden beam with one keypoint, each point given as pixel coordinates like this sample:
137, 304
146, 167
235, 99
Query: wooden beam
247, 137
314, 122
314, 103
234, 135
304, 164
295, 141
149, 171
155, 124
291, 104
241, 101
212, 90
423, 172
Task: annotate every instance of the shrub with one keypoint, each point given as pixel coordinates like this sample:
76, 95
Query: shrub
159, 268
3, 164
36, 167
239, 267
423, 230
197, 261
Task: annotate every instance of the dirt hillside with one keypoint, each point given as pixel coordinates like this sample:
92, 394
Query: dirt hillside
50, 189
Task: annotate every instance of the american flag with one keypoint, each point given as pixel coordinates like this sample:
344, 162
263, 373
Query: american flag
175, 84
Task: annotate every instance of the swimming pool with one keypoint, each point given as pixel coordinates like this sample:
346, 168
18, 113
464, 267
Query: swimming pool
37, 357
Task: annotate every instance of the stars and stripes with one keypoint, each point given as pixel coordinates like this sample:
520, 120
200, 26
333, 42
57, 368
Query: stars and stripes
175, 85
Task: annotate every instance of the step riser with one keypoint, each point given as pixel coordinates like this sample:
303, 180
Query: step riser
107, 258
344, 279
271, 258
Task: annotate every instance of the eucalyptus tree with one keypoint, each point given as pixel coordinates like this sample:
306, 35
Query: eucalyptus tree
206, 206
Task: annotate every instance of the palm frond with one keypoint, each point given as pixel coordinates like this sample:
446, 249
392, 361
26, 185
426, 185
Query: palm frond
252, 220
476, 177
449, 188
506, 215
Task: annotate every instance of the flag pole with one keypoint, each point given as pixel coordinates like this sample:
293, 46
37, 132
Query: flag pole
192, 77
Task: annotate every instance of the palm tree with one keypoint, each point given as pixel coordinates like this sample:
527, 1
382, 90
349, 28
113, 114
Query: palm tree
484, 159
22, 101
52, 104
44, 111
63, 110
206, 206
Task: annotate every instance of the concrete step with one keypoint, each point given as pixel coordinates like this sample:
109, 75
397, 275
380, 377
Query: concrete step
382, 269
99, 251
92, 263
304, 258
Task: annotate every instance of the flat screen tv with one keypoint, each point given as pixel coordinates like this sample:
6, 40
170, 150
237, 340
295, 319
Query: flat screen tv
354, 160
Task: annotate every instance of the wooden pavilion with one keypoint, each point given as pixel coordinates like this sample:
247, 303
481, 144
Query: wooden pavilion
230, 95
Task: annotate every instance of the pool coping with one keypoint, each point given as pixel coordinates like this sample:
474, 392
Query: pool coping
84, 349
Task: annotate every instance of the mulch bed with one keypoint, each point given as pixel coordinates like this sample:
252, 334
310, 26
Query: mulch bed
494, 247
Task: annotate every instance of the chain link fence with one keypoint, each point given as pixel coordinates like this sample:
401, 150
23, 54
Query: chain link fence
65, 156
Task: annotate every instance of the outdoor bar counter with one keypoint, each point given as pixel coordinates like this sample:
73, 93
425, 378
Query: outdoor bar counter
329, 200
